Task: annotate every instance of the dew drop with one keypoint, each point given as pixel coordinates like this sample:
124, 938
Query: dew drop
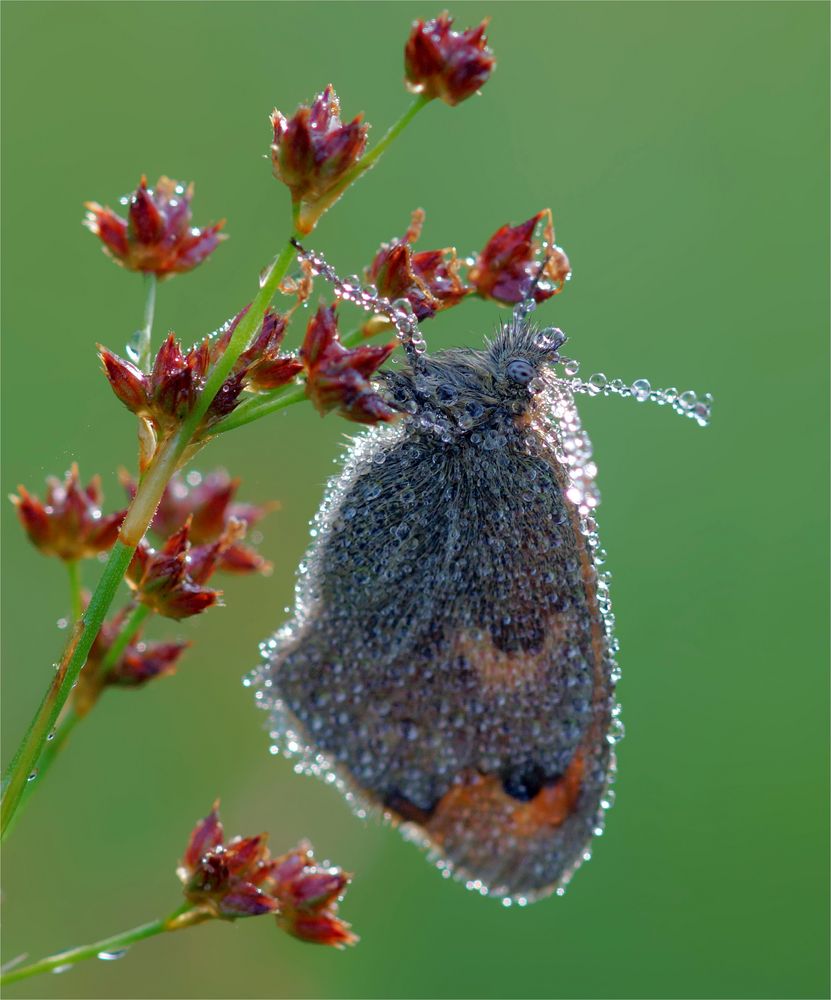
112, 956
63, 623
33, 775
641, 389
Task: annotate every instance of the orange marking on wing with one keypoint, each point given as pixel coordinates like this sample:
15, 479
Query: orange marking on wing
552, 805
498, 669
481, 803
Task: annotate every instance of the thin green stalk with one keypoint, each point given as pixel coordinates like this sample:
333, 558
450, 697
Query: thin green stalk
260, 406
106, 949
145, 336
128, 630
136, 523
369, 159
55, 743
70, 719
73, 569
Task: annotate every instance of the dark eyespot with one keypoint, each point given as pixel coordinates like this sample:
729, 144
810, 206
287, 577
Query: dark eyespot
520, 371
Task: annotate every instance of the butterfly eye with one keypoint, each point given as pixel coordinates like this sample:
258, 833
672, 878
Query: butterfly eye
520, 371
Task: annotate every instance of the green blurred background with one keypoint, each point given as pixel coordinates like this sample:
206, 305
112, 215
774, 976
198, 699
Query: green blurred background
683, 149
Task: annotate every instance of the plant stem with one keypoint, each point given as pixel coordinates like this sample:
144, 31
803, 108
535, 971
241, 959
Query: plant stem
53, 747
260, 406
369, 160
73, 568
128, 630
139, 516
144, 353
104, 947
70, 717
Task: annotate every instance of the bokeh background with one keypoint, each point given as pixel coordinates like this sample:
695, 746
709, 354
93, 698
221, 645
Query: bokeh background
683, 149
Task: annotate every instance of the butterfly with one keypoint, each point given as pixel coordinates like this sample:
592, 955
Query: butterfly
450, 661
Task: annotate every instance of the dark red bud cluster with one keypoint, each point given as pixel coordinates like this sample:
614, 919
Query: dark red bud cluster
511, 259
429, 279
69, 524
157, 236
241, 879
166, 394
337, 377
209, 503
171, 580
450, 65
312, 151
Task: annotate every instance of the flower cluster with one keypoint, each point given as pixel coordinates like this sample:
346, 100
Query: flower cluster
337, 377
241, 879
429, 280
312, 152
157, 236
450, 65
510, 260
166, 394
209, 503
171, 580
70, 523
503, 271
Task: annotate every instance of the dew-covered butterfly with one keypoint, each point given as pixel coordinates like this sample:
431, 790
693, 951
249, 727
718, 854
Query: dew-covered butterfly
451, 661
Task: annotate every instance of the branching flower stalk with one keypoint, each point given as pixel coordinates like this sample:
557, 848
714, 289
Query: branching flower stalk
108, 948
183, 398
229, 881
169, 455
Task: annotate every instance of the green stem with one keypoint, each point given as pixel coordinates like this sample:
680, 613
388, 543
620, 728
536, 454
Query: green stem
260, 406
135, 524
144, 353
306, 217
53, 747
369, 160
105, 948
70, 717
73, 568
128, 630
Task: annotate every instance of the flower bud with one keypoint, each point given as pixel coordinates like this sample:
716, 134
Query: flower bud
450, 65
157, 236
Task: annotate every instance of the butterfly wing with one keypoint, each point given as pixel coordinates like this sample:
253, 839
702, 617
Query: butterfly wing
447, 654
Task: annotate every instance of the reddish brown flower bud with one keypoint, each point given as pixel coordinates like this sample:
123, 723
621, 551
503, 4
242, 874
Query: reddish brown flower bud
240, 879
451, 65
312, 152
163, 579
511, 259
318, 928
337, 377
209, 502
70, 524
206, 836
308, 897
139, 663
169, 391
156, 237
428, 280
